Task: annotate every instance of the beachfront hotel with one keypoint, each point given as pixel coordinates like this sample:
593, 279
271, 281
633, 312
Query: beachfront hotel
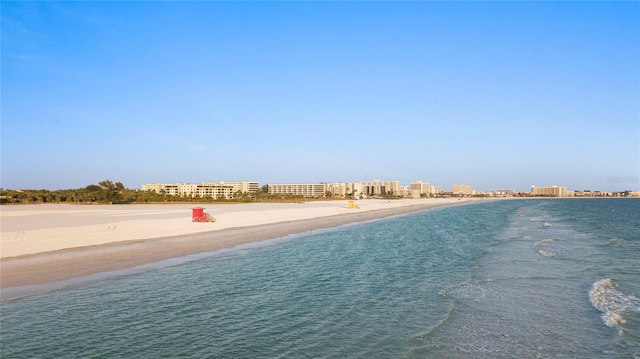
339, 189
553, 191
464, 189
301, 189
220, 189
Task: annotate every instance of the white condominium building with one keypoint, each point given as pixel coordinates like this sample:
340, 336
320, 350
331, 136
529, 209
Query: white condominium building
304, 190
203, 189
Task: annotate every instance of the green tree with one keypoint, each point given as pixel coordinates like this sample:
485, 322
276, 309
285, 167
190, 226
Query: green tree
111, 191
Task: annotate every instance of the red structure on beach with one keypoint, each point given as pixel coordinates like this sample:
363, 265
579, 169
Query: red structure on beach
199, 215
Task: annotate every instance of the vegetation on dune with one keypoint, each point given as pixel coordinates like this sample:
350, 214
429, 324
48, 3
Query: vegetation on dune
108, 192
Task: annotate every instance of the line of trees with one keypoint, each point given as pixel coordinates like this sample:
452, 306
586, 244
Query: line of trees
108, 192
104, 192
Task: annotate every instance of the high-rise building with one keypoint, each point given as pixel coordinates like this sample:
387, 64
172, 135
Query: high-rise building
423, 187
380, 188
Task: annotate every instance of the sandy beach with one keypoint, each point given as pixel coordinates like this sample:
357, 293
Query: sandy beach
42, 244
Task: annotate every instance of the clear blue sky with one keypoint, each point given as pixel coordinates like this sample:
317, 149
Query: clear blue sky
492, 94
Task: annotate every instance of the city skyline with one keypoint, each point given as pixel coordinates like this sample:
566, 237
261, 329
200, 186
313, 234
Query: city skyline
375, 187
496, 95
455, 188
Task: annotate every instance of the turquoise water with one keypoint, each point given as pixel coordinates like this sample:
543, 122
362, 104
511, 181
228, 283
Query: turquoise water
504, 279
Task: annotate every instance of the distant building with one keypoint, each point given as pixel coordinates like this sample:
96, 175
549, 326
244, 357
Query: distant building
304, 190
356, 189
422, 187
394, 187
204, 189
553, 191
380, 188
343, 189
339, 189
462, 189
504, 193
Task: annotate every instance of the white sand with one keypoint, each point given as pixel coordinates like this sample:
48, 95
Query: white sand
46, 244
31, 229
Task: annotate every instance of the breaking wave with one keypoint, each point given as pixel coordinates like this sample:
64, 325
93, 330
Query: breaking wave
605, 296
542, 247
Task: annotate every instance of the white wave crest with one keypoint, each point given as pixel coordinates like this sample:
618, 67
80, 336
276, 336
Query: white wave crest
540, 246
447, 291
543, 242
613, 304
547, 253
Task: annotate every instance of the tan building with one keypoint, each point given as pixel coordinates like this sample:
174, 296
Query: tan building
342, 189
381, 188
422, 187
304, 190
553, 191
394, 187
337, 189
462, 189
355, 190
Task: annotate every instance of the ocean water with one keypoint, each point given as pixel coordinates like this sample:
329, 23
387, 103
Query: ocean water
557, 278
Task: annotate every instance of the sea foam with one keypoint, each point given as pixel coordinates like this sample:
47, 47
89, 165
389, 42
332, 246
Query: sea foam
605, 296
543, 246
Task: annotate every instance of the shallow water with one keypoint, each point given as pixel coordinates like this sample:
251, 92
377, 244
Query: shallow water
520, 278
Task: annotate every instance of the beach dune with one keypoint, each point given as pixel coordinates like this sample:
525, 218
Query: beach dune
42, 244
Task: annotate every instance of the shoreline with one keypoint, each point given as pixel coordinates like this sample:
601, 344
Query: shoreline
69, 263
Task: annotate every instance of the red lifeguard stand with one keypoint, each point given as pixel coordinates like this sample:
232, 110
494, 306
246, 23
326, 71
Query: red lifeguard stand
198, 215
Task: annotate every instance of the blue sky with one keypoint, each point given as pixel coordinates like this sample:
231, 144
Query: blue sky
492, 94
